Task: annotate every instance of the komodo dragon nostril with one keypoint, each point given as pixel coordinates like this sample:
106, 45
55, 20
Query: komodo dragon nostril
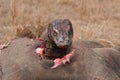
60, 40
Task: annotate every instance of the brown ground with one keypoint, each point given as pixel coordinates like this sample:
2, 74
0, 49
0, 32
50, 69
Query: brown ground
92, 19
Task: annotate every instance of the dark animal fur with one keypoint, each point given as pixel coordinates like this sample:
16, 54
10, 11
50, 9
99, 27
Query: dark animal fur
20, 63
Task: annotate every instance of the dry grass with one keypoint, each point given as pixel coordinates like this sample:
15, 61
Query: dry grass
96, 20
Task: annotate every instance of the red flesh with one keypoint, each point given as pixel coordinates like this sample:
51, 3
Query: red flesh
64, 60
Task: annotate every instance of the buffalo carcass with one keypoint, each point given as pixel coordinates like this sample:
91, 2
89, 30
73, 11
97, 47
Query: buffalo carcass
19, 62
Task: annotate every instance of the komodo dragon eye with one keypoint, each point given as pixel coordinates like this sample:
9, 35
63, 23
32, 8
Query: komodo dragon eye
54, 33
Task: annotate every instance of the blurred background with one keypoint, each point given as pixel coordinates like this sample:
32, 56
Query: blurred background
97, 20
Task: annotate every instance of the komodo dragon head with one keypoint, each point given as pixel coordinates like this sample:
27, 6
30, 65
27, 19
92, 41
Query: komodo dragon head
61, 32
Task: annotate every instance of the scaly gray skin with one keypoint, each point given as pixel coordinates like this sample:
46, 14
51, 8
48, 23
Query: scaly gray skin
19, 62
61, 32
58, 38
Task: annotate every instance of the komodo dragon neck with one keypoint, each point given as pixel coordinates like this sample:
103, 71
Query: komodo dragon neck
52, 51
